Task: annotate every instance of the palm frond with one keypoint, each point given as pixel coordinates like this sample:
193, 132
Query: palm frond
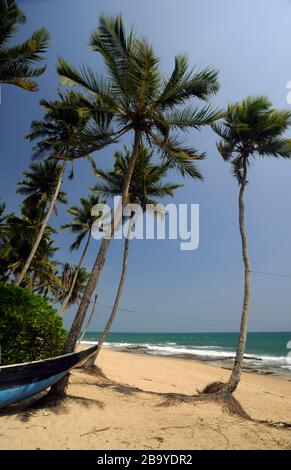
16, 62
185, 83
189, 117
180, 157
111, 41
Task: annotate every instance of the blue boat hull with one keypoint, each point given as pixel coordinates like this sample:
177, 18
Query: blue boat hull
22, 392
21, 381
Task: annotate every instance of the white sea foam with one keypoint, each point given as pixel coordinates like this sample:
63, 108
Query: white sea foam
206, 352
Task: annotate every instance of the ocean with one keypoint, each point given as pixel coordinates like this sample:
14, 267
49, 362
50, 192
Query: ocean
265, 352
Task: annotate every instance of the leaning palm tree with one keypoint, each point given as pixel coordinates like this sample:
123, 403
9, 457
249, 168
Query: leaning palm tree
42, 188
147, 184
81, 225
16, 61
249, 129
134, 99
56, 134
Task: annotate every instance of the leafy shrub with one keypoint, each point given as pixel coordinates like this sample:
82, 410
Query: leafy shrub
30, 328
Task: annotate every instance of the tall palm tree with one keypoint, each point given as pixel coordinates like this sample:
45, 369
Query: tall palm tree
56, 136
134, 99
42, 187
147, 184
81, 225
252, 128
16, 61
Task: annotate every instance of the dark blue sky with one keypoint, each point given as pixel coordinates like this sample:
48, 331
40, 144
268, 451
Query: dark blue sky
250, 43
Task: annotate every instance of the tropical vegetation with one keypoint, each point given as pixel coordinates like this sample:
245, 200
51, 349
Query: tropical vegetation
30, 328
16, 62
130, 102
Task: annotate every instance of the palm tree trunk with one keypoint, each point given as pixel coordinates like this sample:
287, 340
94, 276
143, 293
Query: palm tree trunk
99, 262
89, 321
241, 346
20, 276
59, 388
92, 359
63, 308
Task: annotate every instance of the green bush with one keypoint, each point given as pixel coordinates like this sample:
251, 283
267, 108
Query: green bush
30, 328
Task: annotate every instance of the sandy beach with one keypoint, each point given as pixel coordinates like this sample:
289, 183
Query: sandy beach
129, 409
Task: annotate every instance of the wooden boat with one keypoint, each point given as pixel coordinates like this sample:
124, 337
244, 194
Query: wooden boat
21, 381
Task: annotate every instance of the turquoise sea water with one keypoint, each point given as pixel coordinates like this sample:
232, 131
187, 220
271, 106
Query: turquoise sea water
265, 351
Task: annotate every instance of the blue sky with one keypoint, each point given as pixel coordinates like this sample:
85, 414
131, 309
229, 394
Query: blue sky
250, 44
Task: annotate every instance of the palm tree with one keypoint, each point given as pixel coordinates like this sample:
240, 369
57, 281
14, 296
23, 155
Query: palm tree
44, 279
19, 238
146, 186
4, 228
81, 225
80, 276
42, 188
135, 99
39, 187
88, 323
3, 221
249, 129
16, 61
56, 134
